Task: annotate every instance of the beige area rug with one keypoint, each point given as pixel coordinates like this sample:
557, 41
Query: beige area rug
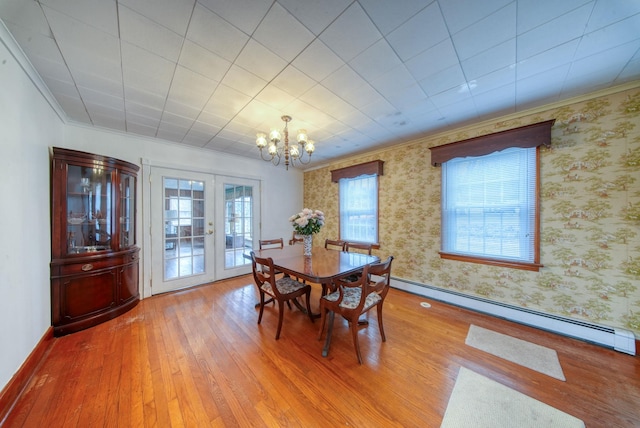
478, 402
527, 354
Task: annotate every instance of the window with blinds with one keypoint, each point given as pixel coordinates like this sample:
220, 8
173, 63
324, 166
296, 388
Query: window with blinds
359, 209
489, 205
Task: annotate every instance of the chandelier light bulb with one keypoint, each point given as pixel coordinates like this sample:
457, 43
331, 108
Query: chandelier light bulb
302, 136
294, 151
310, 146
274, 136
261, 140
273, 149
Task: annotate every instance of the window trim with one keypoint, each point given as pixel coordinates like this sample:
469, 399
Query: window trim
528, 136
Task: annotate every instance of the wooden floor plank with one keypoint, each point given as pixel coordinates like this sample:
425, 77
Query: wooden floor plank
197, 357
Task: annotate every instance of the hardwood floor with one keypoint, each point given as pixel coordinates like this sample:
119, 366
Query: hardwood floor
197, 358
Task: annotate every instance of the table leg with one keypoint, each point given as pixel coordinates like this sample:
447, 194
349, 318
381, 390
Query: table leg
327, 341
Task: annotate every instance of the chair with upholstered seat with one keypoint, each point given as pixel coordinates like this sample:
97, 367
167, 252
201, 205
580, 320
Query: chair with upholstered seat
271, 243
280, 290
332, 244
352, 299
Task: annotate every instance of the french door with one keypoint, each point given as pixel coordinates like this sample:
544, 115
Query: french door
202, 227
182, 229
238, 223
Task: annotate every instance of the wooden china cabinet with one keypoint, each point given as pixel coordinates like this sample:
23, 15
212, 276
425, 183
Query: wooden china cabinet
94, 266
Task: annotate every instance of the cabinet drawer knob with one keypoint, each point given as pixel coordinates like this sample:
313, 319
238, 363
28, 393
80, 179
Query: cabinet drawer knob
87, 267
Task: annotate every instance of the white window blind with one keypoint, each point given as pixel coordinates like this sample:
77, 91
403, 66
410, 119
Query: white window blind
489, 205
359, 208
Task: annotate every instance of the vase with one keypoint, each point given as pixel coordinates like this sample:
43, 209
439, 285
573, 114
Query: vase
307, 241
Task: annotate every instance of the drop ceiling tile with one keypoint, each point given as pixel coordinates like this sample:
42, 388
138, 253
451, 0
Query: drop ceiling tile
99, 83
315, 15
434, 60
205, 128
110, 100
62, 87
496, 58
460, 14
200, 60
606, 13
171, 132
226, 102
147, 119
547, 60
196, 139
136, 128
486, 33
539, 87
260, 60
74, 108
378, 109
609, 64
148, 35
393, 81
293, 81
553, 33
630, 72
212, 119
243, 81
451, 96
533, 13
351, 87
327, 101
406, 98
498, 100
375, 61
215, 34
190, 88
26, 16
388, 15
257, 117
461, 112
283, 33
145, 70
100, 14
317, 61
244, 14
610, 37
493, 81
275, 97
424, 30
180, 109
172, 14
141, 97
444, 80
351, 33
108, 122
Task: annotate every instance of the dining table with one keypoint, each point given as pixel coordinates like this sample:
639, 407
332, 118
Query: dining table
321, 267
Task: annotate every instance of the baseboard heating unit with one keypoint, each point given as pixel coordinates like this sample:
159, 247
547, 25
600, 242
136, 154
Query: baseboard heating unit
615, 338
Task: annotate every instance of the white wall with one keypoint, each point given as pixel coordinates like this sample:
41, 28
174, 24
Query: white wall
29, 126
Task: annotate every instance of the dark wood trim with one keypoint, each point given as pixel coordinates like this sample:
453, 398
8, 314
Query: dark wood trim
525, 137
535, 267
13, 390
367, 168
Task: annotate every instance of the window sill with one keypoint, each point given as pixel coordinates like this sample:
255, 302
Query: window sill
534, 267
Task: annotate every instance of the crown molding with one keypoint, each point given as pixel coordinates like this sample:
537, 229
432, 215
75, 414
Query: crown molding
21, 58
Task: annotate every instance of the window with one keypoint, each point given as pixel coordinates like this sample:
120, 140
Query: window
489, 205
358, 190
359, 209
489, 197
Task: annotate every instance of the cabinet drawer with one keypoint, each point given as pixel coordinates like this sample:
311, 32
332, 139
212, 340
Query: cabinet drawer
89, 266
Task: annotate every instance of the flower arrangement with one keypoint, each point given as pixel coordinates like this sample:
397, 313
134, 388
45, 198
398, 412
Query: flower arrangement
307, 221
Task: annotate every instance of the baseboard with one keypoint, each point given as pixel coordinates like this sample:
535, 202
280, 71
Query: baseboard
614, 338
16, 386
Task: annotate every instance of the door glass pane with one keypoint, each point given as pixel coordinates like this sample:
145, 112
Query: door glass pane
238, 223
184, 228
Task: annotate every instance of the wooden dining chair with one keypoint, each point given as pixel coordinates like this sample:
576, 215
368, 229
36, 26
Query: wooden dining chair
358, 247
332, 244
353, 299
295, 239
271, 243
280, 290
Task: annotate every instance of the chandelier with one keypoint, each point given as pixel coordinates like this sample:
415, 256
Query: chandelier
292, 154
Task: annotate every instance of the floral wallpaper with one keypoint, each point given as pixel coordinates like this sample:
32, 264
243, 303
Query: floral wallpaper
590, 215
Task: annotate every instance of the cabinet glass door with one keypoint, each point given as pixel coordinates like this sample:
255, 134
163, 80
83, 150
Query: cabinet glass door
127, 211
89, 210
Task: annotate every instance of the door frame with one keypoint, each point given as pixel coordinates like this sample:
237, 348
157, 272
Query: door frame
144, 202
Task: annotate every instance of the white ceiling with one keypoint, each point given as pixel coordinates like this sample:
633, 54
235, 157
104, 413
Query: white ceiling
356, 74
